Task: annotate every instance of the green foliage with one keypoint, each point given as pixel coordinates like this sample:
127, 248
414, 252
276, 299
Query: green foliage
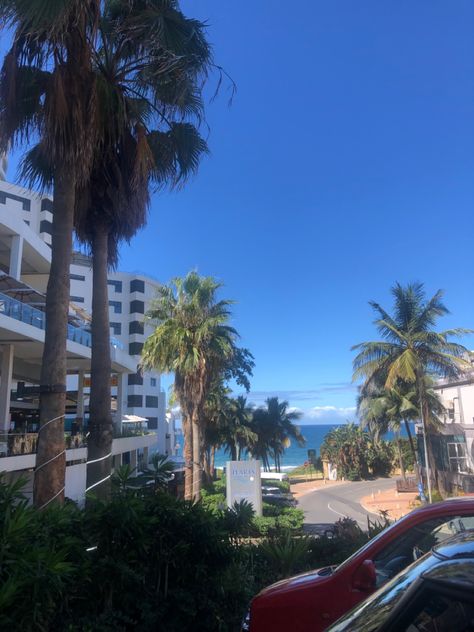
285, 553
161, 470
355, 455
140, 562
277, 520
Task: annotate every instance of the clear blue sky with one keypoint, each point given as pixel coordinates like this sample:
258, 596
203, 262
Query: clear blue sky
345, 163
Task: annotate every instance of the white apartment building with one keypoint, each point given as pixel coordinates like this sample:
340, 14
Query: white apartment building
25, 257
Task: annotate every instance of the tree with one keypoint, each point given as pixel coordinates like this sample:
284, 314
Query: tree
193, 340
411, 349
147, 78
47, 93
274, 428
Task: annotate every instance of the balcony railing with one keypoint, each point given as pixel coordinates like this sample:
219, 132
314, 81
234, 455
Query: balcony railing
16, 443
32, 316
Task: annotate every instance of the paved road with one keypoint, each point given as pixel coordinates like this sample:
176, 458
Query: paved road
327, 505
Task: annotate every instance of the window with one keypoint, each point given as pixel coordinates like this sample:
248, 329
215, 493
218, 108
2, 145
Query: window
135, 401
135, 379
137, 285
152, 423
135, 348
25, 203
46, 226
136, 327
458, 458
116, 328
419, 540
47, 205
77, 277
116, 306
435, 611
153, 381
77, 299
151, 401
137, 307
117, 285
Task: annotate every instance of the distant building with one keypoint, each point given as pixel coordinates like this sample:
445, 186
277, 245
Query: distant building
454, 444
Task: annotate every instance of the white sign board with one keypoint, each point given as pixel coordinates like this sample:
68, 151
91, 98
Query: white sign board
244, 483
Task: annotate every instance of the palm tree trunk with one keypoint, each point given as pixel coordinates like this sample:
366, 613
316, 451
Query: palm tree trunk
50, 472
100, 418
400, 458
212, 461
197, 478
188, 458
414, 453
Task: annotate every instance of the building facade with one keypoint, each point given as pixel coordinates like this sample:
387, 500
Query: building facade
25, 258
454, 443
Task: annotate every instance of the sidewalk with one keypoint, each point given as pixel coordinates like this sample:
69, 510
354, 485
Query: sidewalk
394, 503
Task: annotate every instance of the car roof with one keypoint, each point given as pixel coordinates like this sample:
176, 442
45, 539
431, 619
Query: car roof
448, 504
460, 546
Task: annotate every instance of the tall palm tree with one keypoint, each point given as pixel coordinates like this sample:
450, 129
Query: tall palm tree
47, 93
113, 204
274, 428
411, 349
193, 340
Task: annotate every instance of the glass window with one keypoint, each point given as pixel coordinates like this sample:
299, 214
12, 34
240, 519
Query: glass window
77, 277
77, 299
416, 542
458, 458
136, 327
152, 423
135, 348
151, 401
135, 379
137, 285
135, 401
153, 381
117, 285
116, 306
439, 612
137, 306
116, 328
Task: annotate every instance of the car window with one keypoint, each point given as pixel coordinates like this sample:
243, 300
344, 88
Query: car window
416, 542
439, 612
368, 616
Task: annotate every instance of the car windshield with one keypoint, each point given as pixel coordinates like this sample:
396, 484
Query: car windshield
371, 614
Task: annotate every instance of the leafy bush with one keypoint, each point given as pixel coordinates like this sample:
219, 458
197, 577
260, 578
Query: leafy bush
139, 562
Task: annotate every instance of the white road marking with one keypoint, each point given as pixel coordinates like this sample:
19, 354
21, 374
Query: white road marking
344, 515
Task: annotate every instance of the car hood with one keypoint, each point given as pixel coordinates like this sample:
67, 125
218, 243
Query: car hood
298, 581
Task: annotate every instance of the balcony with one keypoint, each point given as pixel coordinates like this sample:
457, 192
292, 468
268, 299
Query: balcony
25, 313
18, 444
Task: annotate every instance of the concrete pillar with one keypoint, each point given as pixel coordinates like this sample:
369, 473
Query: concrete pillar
16, 255
122, 382
6, 371
80, 400
133, 461
145, 457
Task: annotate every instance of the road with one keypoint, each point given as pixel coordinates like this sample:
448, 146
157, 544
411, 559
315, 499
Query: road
326, 506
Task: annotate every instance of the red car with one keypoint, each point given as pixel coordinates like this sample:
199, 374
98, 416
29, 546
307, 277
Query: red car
312, 601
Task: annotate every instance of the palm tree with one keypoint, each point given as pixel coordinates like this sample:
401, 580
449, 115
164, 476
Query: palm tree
113, 204
193, 340
411, 349
274, 428
47, 93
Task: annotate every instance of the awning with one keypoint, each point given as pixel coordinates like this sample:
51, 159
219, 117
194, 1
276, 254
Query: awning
132, 419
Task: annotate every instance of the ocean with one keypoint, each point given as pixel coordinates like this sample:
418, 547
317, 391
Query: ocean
295, 455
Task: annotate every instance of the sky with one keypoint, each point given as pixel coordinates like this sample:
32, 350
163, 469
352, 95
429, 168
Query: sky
344, 164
